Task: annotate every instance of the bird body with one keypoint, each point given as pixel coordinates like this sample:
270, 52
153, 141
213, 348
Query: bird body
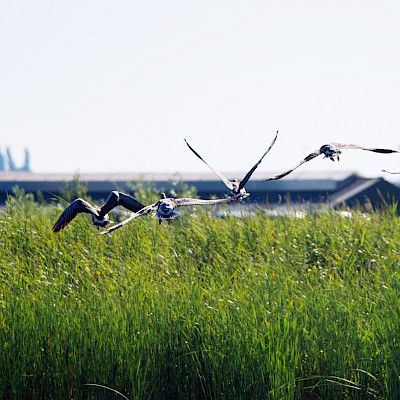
236, 187
100, 217
331, 151
165, 208
101, 222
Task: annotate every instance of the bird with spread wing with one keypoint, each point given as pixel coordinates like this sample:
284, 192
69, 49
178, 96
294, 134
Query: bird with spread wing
165, 208
100, 217
331, 151
389, 172
236, 187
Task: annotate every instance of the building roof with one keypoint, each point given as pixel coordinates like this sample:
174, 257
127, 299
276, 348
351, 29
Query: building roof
378, 188
162, 176
326, 181
353, 190
336, 187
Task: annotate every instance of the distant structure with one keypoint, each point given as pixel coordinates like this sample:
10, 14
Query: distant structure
333, 189
7, 163
2, 163
27, 163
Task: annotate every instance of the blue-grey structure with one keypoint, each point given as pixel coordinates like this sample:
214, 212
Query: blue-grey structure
7, 162
301, 188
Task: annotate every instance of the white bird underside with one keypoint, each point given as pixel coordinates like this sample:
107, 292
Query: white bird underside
235, 186
171, 204
331, 150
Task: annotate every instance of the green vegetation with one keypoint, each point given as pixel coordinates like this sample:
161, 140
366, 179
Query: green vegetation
204, 308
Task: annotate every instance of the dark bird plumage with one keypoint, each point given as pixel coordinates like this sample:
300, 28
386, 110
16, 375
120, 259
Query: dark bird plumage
165, 208
99, 215
331, 151
236, 186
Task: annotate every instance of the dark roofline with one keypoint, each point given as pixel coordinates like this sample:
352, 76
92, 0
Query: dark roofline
204, 182
347, 193
166, 176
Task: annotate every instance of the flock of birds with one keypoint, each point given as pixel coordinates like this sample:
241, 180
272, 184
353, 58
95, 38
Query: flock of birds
164, 208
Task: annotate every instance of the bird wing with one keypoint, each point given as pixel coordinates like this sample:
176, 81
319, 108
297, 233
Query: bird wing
120, 199
306, 159
186, 201
130, 203
140, 213
356, 146
76, 207
388, 172
248, 175
227, 183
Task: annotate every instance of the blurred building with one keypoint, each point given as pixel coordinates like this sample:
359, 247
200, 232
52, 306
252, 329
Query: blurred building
7, 162
299, 188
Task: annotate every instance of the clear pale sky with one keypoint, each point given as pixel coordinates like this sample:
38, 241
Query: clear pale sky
115, 86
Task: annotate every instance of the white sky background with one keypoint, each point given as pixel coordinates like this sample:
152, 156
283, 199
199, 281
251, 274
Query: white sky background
115, 86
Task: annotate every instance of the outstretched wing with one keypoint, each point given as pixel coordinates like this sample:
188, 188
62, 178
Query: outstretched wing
227, 183
76, 207
140, 213
356, 146
248, 175
186, 201
388, 172
306, 159
120, 199
130, 203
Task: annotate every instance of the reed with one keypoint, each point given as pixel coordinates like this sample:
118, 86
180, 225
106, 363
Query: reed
204, 308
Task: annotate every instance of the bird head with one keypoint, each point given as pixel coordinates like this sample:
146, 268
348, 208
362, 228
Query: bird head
235, 183
330, 151
101, 222
235, 192
165, 209
239, 195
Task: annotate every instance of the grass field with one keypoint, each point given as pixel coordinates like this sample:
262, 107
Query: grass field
204, 308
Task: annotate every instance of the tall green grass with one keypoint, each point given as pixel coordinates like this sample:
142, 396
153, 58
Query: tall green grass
204, 308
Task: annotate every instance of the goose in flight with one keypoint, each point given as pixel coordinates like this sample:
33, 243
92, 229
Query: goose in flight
331, 151
100, 216
236, 187
165, 208
388, 172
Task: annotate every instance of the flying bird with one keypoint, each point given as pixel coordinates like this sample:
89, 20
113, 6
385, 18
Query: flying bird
99, 215
331, 151
388, 172
165, 208
236, 187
